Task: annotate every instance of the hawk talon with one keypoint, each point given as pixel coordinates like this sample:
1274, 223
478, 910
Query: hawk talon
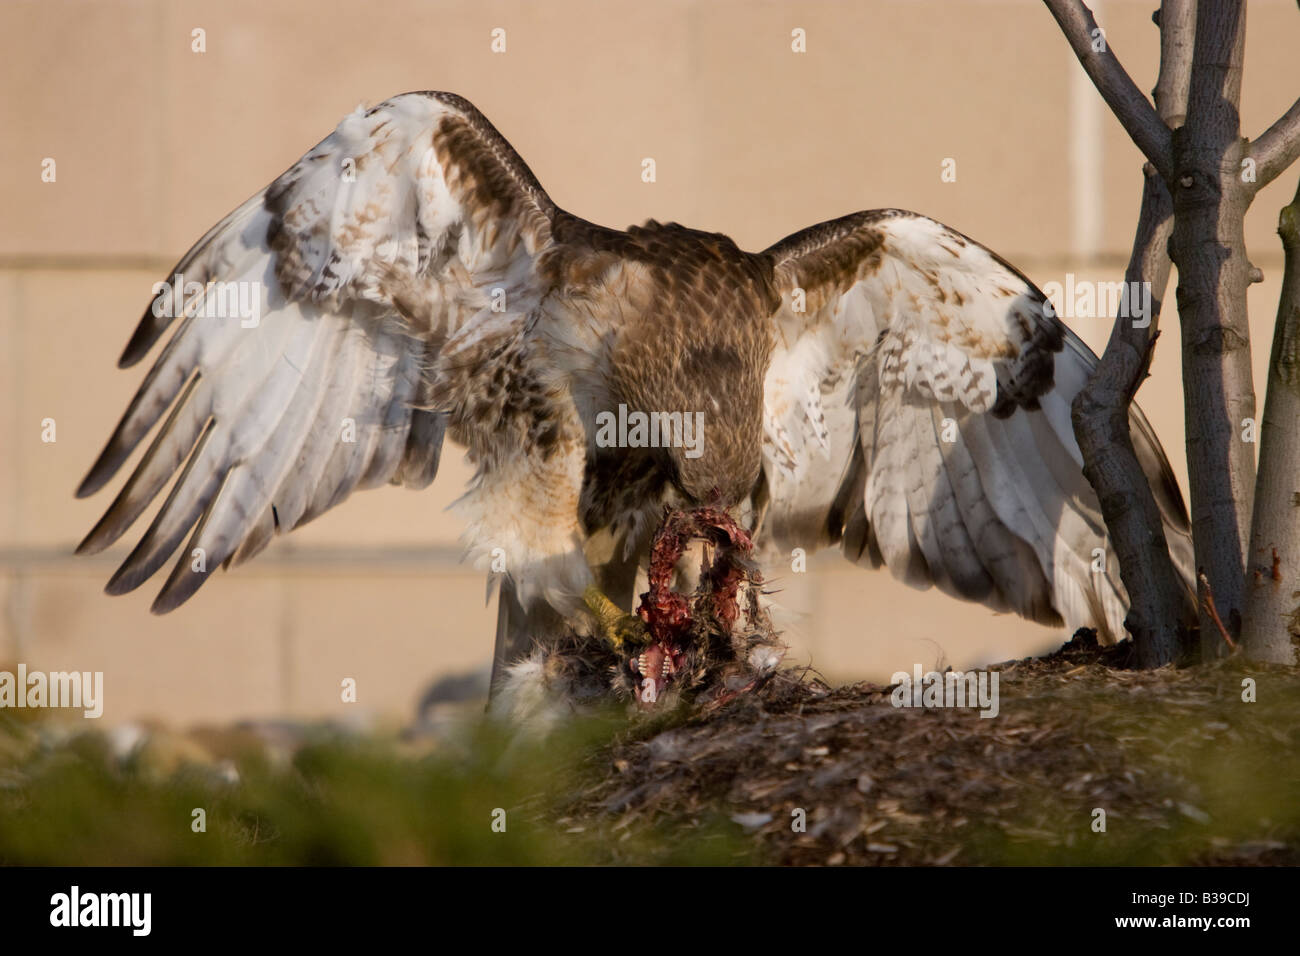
618, 628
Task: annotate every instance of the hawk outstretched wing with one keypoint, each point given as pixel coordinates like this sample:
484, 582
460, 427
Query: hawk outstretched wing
408, 278
918, 414
329, 331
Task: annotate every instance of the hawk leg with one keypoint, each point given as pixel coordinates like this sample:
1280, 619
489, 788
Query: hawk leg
619, 629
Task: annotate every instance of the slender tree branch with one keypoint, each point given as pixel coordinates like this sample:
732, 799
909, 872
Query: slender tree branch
1207, 601
1134, 111
1277, 147
1159, 615
1209, 249
1177, 22
1158, 600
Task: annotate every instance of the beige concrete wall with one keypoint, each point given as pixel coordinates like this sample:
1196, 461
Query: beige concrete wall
154, 142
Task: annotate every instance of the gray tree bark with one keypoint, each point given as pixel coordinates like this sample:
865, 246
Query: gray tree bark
1101, 426
1101, 410
1211, 196
1272, 619
1212, 175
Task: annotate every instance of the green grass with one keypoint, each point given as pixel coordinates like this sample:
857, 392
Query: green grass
1221, 784
1187, 773
341, 800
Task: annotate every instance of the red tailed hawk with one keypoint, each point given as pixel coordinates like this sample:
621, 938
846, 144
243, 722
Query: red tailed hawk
880, 382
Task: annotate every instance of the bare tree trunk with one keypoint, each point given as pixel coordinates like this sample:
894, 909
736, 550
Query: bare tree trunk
1101, 426
1213, 174
1273, 573
1210, 201
1101, 410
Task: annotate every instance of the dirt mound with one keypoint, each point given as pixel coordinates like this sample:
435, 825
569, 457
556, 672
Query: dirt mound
1180, 766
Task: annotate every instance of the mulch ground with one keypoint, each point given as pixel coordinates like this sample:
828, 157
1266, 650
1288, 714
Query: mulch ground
1185, 770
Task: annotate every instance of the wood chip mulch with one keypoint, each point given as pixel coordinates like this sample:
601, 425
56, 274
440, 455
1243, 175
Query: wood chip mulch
1186, 771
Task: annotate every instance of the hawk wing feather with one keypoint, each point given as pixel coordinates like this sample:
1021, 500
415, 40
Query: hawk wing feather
369, 253
952, 459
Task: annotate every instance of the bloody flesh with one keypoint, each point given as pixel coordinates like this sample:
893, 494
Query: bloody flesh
669, 615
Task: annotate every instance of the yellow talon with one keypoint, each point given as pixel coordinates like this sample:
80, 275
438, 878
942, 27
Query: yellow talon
616, 626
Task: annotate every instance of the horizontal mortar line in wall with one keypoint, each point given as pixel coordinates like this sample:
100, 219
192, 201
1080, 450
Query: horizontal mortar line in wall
353, 558
90, 262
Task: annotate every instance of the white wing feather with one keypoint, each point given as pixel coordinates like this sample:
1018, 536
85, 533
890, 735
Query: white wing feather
363, 258
952, 461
